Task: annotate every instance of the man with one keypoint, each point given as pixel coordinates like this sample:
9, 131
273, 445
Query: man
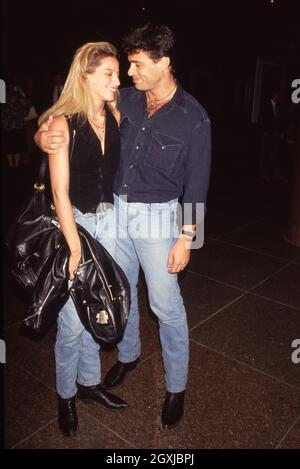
165, 136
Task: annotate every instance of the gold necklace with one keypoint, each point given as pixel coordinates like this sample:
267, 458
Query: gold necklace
152, 102
99, 129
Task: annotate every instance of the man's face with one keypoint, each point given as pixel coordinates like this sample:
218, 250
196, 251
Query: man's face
145, 73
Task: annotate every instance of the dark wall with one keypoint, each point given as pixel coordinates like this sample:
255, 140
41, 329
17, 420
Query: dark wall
217, 42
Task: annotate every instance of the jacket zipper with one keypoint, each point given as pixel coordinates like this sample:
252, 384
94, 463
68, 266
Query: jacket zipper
39, 310
98, 265
55, 223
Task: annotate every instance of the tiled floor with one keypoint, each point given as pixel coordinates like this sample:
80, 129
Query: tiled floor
243, 303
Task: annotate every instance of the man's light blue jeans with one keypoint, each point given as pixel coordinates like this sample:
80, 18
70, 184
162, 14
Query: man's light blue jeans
146, 233
76, 352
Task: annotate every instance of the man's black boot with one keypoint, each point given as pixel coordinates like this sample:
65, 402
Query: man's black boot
67, 416
172, 410
97, 393
118, 372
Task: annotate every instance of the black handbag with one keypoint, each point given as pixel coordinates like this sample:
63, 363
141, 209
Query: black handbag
27, 237
36, 245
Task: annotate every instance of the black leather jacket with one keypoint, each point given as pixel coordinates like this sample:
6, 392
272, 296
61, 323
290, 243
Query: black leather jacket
100, 291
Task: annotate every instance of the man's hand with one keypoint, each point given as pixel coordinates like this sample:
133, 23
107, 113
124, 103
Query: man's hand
49, 140
179, 255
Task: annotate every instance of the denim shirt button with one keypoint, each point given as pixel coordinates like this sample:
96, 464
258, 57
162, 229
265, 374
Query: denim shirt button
137, 147
163, 148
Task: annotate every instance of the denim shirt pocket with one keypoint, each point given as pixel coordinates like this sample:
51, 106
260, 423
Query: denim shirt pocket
163, 152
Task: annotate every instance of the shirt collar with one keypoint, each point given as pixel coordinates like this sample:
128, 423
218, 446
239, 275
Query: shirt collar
179, 98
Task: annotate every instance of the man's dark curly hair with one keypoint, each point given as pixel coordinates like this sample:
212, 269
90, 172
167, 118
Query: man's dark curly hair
156, 40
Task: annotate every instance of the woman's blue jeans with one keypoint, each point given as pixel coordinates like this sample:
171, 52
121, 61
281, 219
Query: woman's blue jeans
77, 355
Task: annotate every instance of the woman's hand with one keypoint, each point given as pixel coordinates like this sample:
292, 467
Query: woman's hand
74, 260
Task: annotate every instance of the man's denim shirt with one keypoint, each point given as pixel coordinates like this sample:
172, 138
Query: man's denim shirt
167, 155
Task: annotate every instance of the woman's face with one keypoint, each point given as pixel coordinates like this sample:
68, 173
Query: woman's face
104, 81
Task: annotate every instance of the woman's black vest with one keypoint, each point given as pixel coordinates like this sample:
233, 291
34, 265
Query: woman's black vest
92, 172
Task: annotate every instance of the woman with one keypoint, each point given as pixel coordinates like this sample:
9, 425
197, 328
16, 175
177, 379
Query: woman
82, 193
